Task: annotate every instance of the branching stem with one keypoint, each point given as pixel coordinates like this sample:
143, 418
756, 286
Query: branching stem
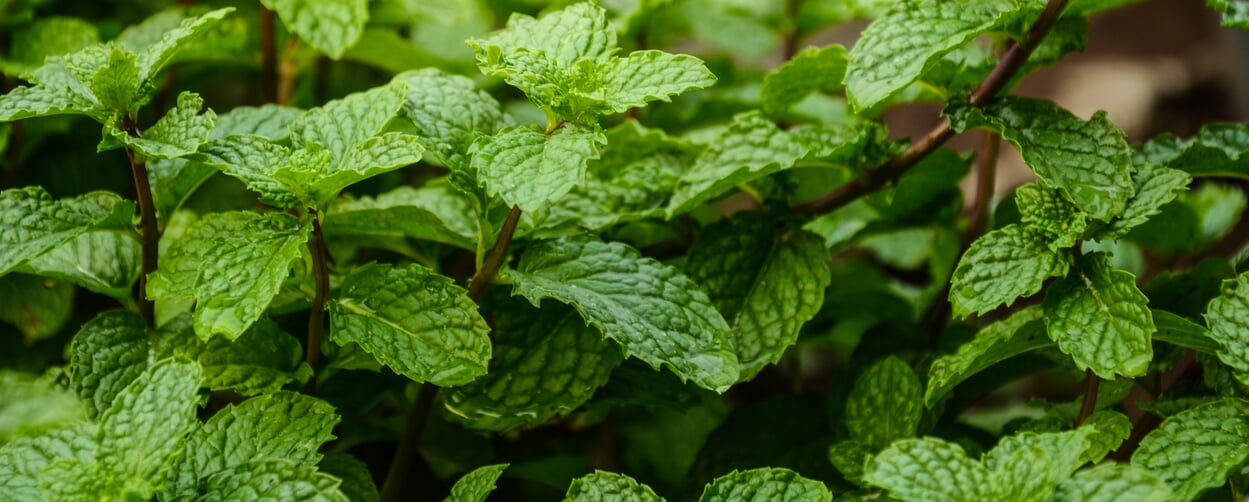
494, 260
147, 222
316, 316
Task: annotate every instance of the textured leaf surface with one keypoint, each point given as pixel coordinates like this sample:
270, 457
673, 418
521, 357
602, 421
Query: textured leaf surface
929, 469
476, 485
253, 160
546, 363
106, 262
766, 284
603, 486
1028, 466
812, 70
657, 314
1195, 449
281, 426
1155, 187
1022, 332
527, 168
37, 101
272, 480
1216, 150
1089, 160
763, 485
530, 53
1228, 318
849, 457
1045, 209
450, 112
1111, 482
1099, 317
418, 323
108, 353
23, 460
155, 57
884, 404
645, 76
31, 223
260, 361
1001, 266
341, 124
433, 212
331, 26
373, 156
1182, 332
752, 147
896, 49
180, 132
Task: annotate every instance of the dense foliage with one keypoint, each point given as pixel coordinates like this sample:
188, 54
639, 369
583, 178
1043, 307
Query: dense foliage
319, 247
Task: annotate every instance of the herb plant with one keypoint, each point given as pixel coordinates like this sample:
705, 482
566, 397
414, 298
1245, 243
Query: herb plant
401, 250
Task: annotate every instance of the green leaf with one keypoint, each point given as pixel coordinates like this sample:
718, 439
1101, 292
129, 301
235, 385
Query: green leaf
1022, 332
1227, 316
1099, 317
813, 70
644, 76
343, 124
476, 485
252, 159
156, 56
1235, 14
179, 133
766, 284
1112, 482
849, 457
545, 364
1028, 466
1090, 160
1155, 187
38, 101
1001, 266
434, 212
273, 479
765, 484
36, 306
884, 404
1216, 150
1182, 332
602, 485
373, 156
752, 147
529, 52
31, 223
897, 48
527, 168
260, 361
357, 480
45, 37
418, 323
1196, 449
31, 404
106, 262
282, 426
1109, 430
330, 26
654, 312
232, 264
450, 112
929, 469
116, 83
23, 460
1043, 208
270, 121
107, 354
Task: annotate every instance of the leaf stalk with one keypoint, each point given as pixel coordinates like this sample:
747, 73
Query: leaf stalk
147, 222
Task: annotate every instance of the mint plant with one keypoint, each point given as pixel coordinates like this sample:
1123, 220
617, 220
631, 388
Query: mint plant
517, 251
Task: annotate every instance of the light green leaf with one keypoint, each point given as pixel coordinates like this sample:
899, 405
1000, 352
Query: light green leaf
1109, 430
602, 486
1228, 318
31, 223
476, 485
1235, 14
1217, 150
253, 160
929, 469
897, 48
1112, 482
272, 479
38, 307
529, 47
1099, 317
107, 354
849, 457
1001, 266
812, 70
767, 284
1155, 187
1045, 209
260, 361
450, 112
270, 121
433, 212
645, 76
1182, 332
156, 56
357, 480
106, 262
330, 26
31, 404
527, 168
116, 83
752, 147
24, 460
282, 426
1090, 160
179, 133
884, 404
545, 364
38, 101
418, 323
1022, 332
1028, 466
342, 124
654, 312
1194, 450
373, 156
765, 484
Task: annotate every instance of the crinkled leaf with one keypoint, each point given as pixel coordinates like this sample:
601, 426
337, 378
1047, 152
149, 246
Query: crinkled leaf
269, 121
1228, 318
1112, 482
929, 469
476, 485
450, 112
37, 306
752, 147
766, 284
253, 160
108, 353
342, 124
645, 76
330, 26
260, 361
24, 460
1196, 449
1109, 430
31, 223
812, 70
849, 457
273, 479
530, 52
106, 262
1155, 187
527, 168
651, 309
180, 132
158, 55
1216, 150
884, 404
116, 83
1001, 266
433, 212
1099, 317
373, 156
765, 484
1022, 332
1045, 209
603, 486
38, 101
418, 323
1028, 466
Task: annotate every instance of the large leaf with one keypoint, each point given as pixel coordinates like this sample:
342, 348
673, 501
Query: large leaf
1194, 450
1111, 482
272, 479
1099, 317
450, 112
31, 223
812, 70
1001, 266
107, 354
929, 469
331, 26
532, 170
23, 460
656, 314
765, 484
602, 485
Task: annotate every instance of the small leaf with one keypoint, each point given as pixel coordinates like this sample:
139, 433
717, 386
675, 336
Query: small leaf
1196, 449
31, 223
1182, 332
1043, 208
1001, 266
929, 469
180, 132
1112, 482
654, 312
418, 323
1099, 317
645, 76
884, 404
476, 485
330, 26
107, 354
450, 112
1022, 332
527, 168
812, 70
1228, 315
1028, 466
117, 83
260, 361
373, 156
358, 483
1235, 14
765, 484
602, 485
273, 479
1155, 187
36, 306
849, 457
251, 159
156, 56
529, 53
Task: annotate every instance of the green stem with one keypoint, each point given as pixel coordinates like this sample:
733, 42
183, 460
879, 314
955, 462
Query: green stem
316, 316
401, 462
147, 223
494, 261
1091, 382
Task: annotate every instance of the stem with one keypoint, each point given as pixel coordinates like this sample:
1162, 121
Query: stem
147, 223
986, 174
1091, 383
494, 261
316, 316
286, 74
1007, 66
401, 463
268, 57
